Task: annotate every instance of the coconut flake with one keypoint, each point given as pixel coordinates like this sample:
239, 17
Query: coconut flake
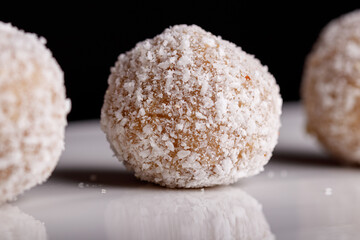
183, 153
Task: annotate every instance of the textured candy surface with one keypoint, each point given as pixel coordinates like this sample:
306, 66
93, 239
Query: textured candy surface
188, 109
33, 111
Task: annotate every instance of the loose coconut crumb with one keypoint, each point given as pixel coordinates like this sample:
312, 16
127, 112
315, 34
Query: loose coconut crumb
33, 111
331, 87
199, 111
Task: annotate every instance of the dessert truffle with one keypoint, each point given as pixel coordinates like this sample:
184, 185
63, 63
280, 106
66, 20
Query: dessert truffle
33, 111
188, 109
331, 88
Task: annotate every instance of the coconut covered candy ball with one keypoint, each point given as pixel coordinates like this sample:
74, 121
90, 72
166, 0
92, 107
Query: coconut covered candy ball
331, 88
33, 111
187, 109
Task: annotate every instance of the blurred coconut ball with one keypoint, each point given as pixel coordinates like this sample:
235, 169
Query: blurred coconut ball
33, 111
189, 109
331, 88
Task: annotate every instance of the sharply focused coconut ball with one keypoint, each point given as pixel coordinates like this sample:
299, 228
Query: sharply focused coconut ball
331, 88
33, 111
188, 109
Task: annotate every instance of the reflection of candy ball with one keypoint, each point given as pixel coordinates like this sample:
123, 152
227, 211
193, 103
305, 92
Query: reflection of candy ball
188, 109
331, 87
32, 111
16, 225
227, 213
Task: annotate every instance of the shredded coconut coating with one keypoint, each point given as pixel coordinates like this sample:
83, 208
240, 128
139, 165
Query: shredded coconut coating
188, 109
33, 111
331, 88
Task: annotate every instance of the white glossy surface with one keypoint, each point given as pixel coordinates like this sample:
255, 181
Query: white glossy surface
303, 193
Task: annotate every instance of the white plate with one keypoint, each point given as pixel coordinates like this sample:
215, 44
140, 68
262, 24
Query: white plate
303, 194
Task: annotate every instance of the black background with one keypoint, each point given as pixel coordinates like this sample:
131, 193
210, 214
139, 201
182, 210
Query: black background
86, 40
